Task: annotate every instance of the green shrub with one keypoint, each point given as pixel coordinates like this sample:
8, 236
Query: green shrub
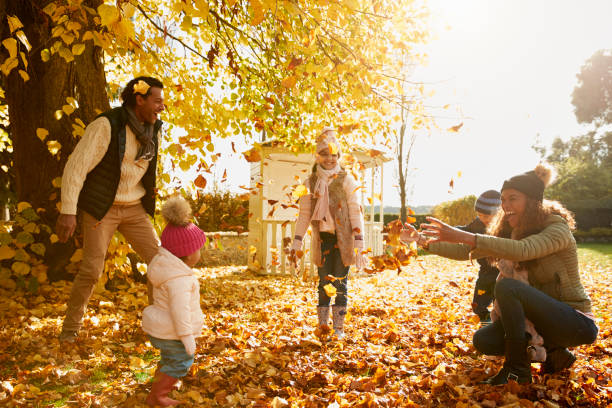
456, 212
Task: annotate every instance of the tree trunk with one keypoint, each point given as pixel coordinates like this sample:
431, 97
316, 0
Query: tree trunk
33, 104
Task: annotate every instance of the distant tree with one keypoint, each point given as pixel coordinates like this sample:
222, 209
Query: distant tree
584, 162
592, 97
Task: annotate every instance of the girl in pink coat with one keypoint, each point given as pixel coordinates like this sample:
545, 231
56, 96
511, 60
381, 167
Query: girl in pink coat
174, 319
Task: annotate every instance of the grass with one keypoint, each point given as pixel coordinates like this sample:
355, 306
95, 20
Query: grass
597, 253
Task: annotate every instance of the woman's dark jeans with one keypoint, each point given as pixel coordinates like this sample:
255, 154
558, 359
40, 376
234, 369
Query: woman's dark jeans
557, 322
332, 265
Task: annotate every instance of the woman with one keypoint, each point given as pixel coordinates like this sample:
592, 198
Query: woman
537, 234
332, 208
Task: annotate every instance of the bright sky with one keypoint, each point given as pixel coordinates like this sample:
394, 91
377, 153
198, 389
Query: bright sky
509, 67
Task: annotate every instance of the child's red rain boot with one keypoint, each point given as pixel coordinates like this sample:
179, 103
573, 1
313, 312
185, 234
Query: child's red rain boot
159, 391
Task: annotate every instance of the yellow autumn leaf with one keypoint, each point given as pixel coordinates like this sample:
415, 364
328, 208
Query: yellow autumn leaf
203, 6
53, 238
68, 109
289, 82
6, 252
77, 49
330, 290
108, 14
141, 87
14, 23
53, 146
24, 59
258, 12
24, 40
20, 268
77, 256
66, 54
299, 191
136, 362
8, 65
196, 396
22, 206
24, 75
45, 55
11, 45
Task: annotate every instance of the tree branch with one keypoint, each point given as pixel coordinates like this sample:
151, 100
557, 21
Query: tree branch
144, 13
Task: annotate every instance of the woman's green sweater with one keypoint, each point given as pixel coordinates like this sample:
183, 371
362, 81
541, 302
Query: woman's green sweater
550, 256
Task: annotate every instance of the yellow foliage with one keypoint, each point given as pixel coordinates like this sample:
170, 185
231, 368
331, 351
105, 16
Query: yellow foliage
11, 45
108, 14
14, 23
77, 256
299, 191
42, 133
6, 252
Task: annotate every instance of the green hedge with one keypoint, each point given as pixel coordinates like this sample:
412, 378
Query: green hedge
420, 218
598, 234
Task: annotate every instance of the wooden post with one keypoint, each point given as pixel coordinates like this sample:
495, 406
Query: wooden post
274, 245
282, 250
264, 245
291, 267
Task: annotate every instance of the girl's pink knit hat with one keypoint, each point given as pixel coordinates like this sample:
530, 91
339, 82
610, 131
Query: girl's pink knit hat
181, 236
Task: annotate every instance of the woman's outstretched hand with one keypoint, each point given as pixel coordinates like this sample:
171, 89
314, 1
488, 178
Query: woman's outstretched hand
409, 233
439, 231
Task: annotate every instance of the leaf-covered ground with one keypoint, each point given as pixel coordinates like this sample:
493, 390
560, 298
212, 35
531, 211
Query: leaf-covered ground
408, 344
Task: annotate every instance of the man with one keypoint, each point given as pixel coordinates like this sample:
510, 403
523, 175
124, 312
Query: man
110, 177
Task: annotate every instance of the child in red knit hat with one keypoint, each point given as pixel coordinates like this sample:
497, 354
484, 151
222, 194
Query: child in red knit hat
174, 319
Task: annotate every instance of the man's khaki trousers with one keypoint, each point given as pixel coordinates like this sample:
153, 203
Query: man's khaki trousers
131, 221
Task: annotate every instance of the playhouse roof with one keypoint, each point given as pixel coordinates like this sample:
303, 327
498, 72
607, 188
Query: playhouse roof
278, 151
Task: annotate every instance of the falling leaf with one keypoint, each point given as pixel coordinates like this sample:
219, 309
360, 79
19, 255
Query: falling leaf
299, 191
330, 290
455, 128
200, 181
252, 155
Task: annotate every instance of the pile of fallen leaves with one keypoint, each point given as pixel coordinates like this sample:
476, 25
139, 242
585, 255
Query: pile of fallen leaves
407, 344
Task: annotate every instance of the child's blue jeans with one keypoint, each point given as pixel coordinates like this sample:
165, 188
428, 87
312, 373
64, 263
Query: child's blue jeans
175, 361
332, 265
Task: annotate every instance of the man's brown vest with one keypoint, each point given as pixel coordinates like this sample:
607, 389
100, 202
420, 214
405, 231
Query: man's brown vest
338, 207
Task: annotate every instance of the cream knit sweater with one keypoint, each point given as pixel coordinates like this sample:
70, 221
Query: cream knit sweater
87, 155
351, 188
